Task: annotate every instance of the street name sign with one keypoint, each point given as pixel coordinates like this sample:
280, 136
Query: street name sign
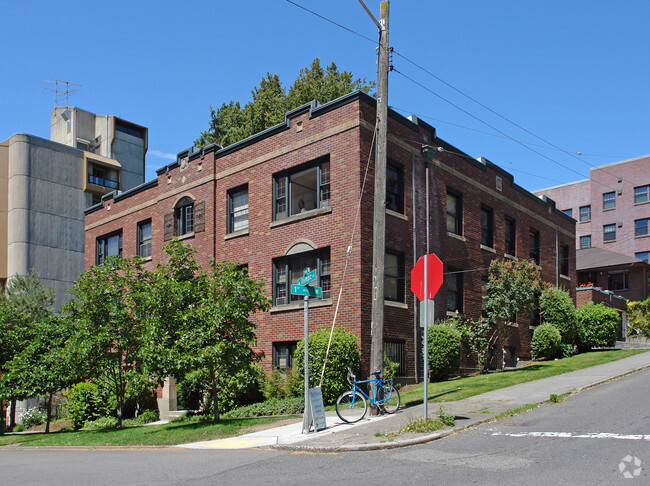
307, 278
305, 290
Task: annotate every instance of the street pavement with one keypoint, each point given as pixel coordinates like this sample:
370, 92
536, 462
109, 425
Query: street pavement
377, 432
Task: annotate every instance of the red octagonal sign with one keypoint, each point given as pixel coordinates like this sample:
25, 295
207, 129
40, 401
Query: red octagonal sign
435, 276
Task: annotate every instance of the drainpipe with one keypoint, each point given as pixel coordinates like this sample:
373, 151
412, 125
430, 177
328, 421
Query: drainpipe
415, 256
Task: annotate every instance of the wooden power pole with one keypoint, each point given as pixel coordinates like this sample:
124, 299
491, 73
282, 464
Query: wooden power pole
379, 233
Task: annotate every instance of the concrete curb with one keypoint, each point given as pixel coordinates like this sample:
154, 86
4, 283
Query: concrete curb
439, 434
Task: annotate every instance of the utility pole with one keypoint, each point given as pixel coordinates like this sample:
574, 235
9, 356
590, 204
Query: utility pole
379, 233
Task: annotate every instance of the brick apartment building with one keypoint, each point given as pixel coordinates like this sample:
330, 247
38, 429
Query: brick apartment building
612, 210
286, 198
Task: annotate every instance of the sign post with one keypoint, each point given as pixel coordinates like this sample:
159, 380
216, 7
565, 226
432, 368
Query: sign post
306, 291
426, 279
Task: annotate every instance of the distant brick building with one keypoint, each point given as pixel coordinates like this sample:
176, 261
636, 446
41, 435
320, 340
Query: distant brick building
286, 199
612, 207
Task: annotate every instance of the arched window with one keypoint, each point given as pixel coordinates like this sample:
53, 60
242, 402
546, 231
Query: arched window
184, 216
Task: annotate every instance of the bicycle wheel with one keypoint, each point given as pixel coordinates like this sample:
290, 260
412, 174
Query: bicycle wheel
391, 404
351, 406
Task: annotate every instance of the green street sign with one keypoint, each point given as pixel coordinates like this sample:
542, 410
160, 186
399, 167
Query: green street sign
304, 290
307, 278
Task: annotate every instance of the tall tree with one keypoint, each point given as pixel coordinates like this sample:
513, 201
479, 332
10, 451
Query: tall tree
201, 322
231, 123
42, 367
512, 290
27, 302
110, 319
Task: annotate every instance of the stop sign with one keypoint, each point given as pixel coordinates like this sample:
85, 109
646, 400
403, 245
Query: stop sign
434, 279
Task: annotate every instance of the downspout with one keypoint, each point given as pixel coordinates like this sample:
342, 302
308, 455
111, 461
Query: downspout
415, 256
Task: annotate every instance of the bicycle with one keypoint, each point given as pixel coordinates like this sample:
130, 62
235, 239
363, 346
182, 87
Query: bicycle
352, 405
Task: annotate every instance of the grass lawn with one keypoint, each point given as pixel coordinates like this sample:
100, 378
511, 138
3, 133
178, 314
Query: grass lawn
186, 432
461, 388
166, 434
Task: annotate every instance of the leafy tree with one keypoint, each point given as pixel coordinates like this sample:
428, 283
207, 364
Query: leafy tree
231, 123
216, 336
110, 317
512, 290
42, 367
475, 337
556, 307
26, 302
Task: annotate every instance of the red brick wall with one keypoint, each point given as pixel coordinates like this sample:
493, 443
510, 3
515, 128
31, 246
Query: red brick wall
346, 135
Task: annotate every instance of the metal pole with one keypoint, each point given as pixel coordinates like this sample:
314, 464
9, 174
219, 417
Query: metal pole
426, 301
306, 417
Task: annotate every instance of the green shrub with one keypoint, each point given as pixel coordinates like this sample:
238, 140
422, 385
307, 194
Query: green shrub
444, 348
275, 385
344, 352
85, 404
597, 326
638, 318
190, 391
145, 417
286, 406
546, 342
18, 428
556, 308
102, 423
32, 418
390, 367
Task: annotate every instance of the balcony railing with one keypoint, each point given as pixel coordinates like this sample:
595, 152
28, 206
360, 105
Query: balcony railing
100, 181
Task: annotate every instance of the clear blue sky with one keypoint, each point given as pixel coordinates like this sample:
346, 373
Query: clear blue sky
575, 73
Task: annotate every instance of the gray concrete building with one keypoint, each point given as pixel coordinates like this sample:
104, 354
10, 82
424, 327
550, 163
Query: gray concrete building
45, 185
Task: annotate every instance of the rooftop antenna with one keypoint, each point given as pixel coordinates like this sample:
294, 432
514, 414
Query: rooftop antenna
62, 88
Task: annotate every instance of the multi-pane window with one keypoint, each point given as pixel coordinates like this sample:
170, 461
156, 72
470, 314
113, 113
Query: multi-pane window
144, 239
585, 241
510, 236
487, 226
396, 352
642, 255
641, 227
609, 232
568, 212
618, 280
301, 190
238, 209
108, 246
534, 246
283, 354
585, 213
454, 291
394, 277
641, 194
609, 200
454, 213
287, 271
185, 217
564, 260
394, 188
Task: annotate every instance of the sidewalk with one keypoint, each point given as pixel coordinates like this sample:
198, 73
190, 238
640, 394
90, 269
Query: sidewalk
369, 433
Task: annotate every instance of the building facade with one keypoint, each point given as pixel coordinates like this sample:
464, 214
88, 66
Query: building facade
612, 207
300, 195
46, 185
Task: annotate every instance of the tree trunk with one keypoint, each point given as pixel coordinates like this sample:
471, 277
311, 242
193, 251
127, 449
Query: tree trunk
49, 414
12, 414
215, 401
3, 417
119, 413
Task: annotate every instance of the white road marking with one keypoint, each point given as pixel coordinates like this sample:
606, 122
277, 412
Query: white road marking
571, 435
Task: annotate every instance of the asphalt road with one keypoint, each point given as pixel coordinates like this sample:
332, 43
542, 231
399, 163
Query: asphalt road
594, 437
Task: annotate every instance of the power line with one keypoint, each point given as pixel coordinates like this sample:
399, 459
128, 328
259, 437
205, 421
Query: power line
494, 128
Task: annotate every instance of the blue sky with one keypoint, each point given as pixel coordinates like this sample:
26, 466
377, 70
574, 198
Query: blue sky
574, 73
